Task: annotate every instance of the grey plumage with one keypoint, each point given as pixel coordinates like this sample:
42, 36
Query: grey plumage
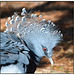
11, 50
28, 38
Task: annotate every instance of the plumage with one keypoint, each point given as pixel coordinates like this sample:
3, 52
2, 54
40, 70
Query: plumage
26, 40
13, 54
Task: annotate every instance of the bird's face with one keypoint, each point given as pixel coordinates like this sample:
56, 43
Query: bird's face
41, 49
48, 53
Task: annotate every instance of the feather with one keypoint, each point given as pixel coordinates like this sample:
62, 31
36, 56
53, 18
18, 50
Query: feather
27, 39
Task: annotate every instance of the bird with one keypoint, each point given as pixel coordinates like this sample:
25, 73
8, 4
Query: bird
25, 41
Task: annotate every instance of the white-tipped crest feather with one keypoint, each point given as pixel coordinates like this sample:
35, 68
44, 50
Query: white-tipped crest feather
38, 32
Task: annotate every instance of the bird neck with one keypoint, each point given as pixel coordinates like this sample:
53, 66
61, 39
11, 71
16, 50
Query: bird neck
35, 57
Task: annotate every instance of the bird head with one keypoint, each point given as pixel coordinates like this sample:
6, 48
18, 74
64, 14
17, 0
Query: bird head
42, 45
41, 36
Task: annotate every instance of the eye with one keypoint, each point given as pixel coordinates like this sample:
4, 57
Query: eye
44, 49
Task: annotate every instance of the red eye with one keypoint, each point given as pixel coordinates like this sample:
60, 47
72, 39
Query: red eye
44, 49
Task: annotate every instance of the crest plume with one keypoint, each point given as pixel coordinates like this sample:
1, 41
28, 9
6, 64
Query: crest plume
31, 27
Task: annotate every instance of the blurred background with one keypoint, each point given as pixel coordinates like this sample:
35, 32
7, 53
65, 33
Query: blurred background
62, 14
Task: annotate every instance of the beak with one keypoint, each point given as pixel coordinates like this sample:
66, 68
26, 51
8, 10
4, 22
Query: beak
49, 56
50, 59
